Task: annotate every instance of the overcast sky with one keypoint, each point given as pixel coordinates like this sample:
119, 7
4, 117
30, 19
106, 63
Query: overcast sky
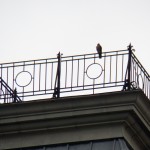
34, 29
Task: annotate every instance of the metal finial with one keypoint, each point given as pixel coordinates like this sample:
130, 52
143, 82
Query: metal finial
130, 47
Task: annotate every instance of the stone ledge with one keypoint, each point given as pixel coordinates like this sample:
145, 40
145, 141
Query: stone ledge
76, 119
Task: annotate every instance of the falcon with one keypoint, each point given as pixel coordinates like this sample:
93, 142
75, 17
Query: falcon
99, 50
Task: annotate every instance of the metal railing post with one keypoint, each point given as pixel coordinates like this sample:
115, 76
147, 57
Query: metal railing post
129, 66
59, 71
56, 93
14, 96
127, 81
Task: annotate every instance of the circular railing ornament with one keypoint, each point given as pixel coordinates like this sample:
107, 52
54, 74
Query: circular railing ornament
133, 85
94, 71
23, 78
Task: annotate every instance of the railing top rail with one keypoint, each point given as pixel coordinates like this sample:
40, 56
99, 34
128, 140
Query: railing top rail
38, 60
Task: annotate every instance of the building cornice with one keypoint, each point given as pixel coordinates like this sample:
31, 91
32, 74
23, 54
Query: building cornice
75, 119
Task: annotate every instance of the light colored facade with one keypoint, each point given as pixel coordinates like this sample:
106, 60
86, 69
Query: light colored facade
75, 122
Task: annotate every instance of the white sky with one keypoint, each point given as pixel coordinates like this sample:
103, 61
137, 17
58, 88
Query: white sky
36, 29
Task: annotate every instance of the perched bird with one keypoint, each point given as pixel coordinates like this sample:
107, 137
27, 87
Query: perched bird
99, 50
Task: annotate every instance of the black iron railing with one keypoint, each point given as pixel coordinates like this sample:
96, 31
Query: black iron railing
7, 94
73, 75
